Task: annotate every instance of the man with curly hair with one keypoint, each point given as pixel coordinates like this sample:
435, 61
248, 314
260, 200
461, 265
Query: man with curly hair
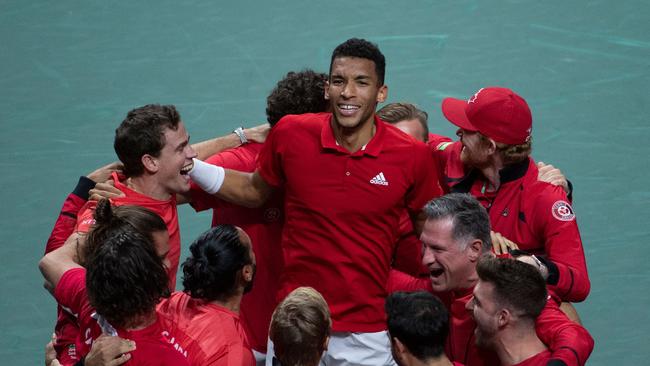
205, 317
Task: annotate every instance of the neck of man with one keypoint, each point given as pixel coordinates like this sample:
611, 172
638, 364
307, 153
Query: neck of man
518, 344
411, 360
231, 302
147, 185
353, 139
142, 321
491, 173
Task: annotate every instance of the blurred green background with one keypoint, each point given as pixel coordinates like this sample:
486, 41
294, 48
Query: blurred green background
70, 70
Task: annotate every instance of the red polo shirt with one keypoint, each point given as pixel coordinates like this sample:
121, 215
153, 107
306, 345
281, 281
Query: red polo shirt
343, 210
165, 209
536, 215
210, 334
264, 226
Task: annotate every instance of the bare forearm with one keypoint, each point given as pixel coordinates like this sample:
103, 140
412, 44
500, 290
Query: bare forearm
245, 189
205, 149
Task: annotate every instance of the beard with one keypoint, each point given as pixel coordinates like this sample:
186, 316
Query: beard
483, 337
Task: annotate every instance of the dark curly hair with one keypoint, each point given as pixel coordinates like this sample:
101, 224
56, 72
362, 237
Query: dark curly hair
355, 47
297, 93
210, 272
143, 132
125, 277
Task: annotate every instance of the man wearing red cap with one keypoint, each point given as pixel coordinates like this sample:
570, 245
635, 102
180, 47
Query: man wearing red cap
492, 162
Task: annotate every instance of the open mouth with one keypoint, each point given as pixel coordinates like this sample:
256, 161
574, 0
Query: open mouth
186, 169
348, 109
436, 272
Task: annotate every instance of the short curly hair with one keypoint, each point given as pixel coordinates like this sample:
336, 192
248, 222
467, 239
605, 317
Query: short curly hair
297, 93
360, 48
210, 272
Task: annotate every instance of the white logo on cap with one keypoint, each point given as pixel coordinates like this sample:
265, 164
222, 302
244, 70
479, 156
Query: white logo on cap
473, 98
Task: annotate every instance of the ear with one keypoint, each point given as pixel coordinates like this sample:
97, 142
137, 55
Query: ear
491, 146
247, 272
326, 343
474, 250
382, 94
399, 347
503, 317
327, 90
150, 163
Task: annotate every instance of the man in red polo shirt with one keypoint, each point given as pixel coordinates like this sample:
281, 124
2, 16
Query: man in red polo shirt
347, 177
492, 162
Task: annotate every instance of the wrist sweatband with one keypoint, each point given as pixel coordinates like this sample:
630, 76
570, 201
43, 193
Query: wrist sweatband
207, 176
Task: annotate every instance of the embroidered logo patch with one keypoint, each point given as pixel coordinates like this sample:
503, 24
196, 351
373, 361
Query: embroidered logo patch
562, 211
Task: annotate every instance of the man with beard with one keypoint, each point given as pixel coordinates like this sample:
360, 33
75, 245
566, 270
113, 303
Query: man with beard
507, 299
205, 317
492, 162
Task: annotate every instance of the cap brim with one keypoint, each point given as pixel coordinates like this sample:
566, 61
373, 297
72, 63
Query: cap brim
454, 111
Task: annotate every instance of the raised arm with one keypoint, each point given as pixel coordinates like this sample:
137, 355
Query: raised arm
55, 263
205, 149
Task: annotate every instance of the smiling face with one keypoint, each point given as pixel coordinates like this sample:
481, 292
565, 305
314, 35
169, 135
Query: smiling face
450, 262
484, 309
354, 91
474, 151
175, 161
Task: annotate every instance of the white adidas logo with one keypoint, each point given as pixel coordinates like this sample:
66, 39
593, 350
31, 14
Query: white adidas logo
379, 179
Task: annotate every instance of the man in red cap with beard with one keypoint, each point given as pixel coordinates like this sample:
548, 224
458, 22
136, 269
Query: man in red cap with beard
492, 162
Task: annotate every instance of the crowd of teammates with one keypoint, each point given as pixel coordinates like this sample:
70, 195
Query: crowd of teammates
334, 210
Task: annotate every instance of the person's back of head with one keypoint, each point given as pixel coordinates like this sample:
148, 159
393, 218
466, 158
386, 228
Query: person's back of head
125, 275
418, 325
400, 113
300, 328
361, 48
217, 259
297, 93
142, 132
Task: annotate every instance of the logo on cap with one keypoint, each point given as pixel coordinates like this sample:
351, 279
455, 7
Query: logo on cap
562, 211
473, 98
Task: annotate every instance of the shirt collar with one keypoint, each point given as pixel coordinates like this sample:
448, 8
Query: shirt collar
372, 148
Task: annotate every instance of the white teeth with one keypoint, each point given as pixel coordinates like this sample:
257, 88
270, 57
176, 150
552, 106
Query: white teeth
347, 106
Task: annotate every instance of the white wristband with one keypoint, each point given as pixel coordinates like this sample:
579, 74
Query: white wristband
207, 176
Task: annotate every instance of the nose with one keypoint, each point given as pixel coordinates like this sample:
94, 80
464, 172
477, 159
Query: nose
428, 258
348, 90
190, 152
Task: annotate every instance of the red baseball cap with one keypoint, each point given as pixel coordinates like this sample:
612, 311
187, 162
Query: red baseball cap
498, 113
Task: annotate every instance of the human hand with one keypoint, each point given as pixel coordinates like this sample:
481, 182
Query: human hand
105, 190
109, 351
501, 244
533, 261
103, 174
550, 174
258, 133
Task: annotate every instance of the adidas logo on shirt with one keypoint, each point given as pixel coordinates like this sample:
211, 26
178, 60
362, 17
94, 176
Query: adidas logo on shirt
379, 179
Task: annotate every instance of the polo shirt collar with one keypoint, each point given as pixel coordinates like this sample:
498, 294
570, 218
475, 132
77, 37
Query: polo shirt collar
372, 148
508, 174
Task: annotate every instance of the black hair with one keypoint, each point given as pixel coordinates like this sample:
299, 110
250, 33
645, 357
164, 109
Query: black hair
420, 321
360, 48
210, 272
297, 93
143, 132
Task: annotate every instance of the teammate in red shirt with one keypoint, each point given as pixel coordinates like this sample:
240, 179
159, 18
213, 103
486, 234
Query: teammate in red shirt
205, 318
491, 161
297, 93
347, 178
508, 297
126, 277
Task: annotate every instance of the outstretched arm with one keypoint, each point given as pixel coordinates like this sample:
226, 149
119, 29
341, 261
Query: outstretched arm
205, 149
55, 263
